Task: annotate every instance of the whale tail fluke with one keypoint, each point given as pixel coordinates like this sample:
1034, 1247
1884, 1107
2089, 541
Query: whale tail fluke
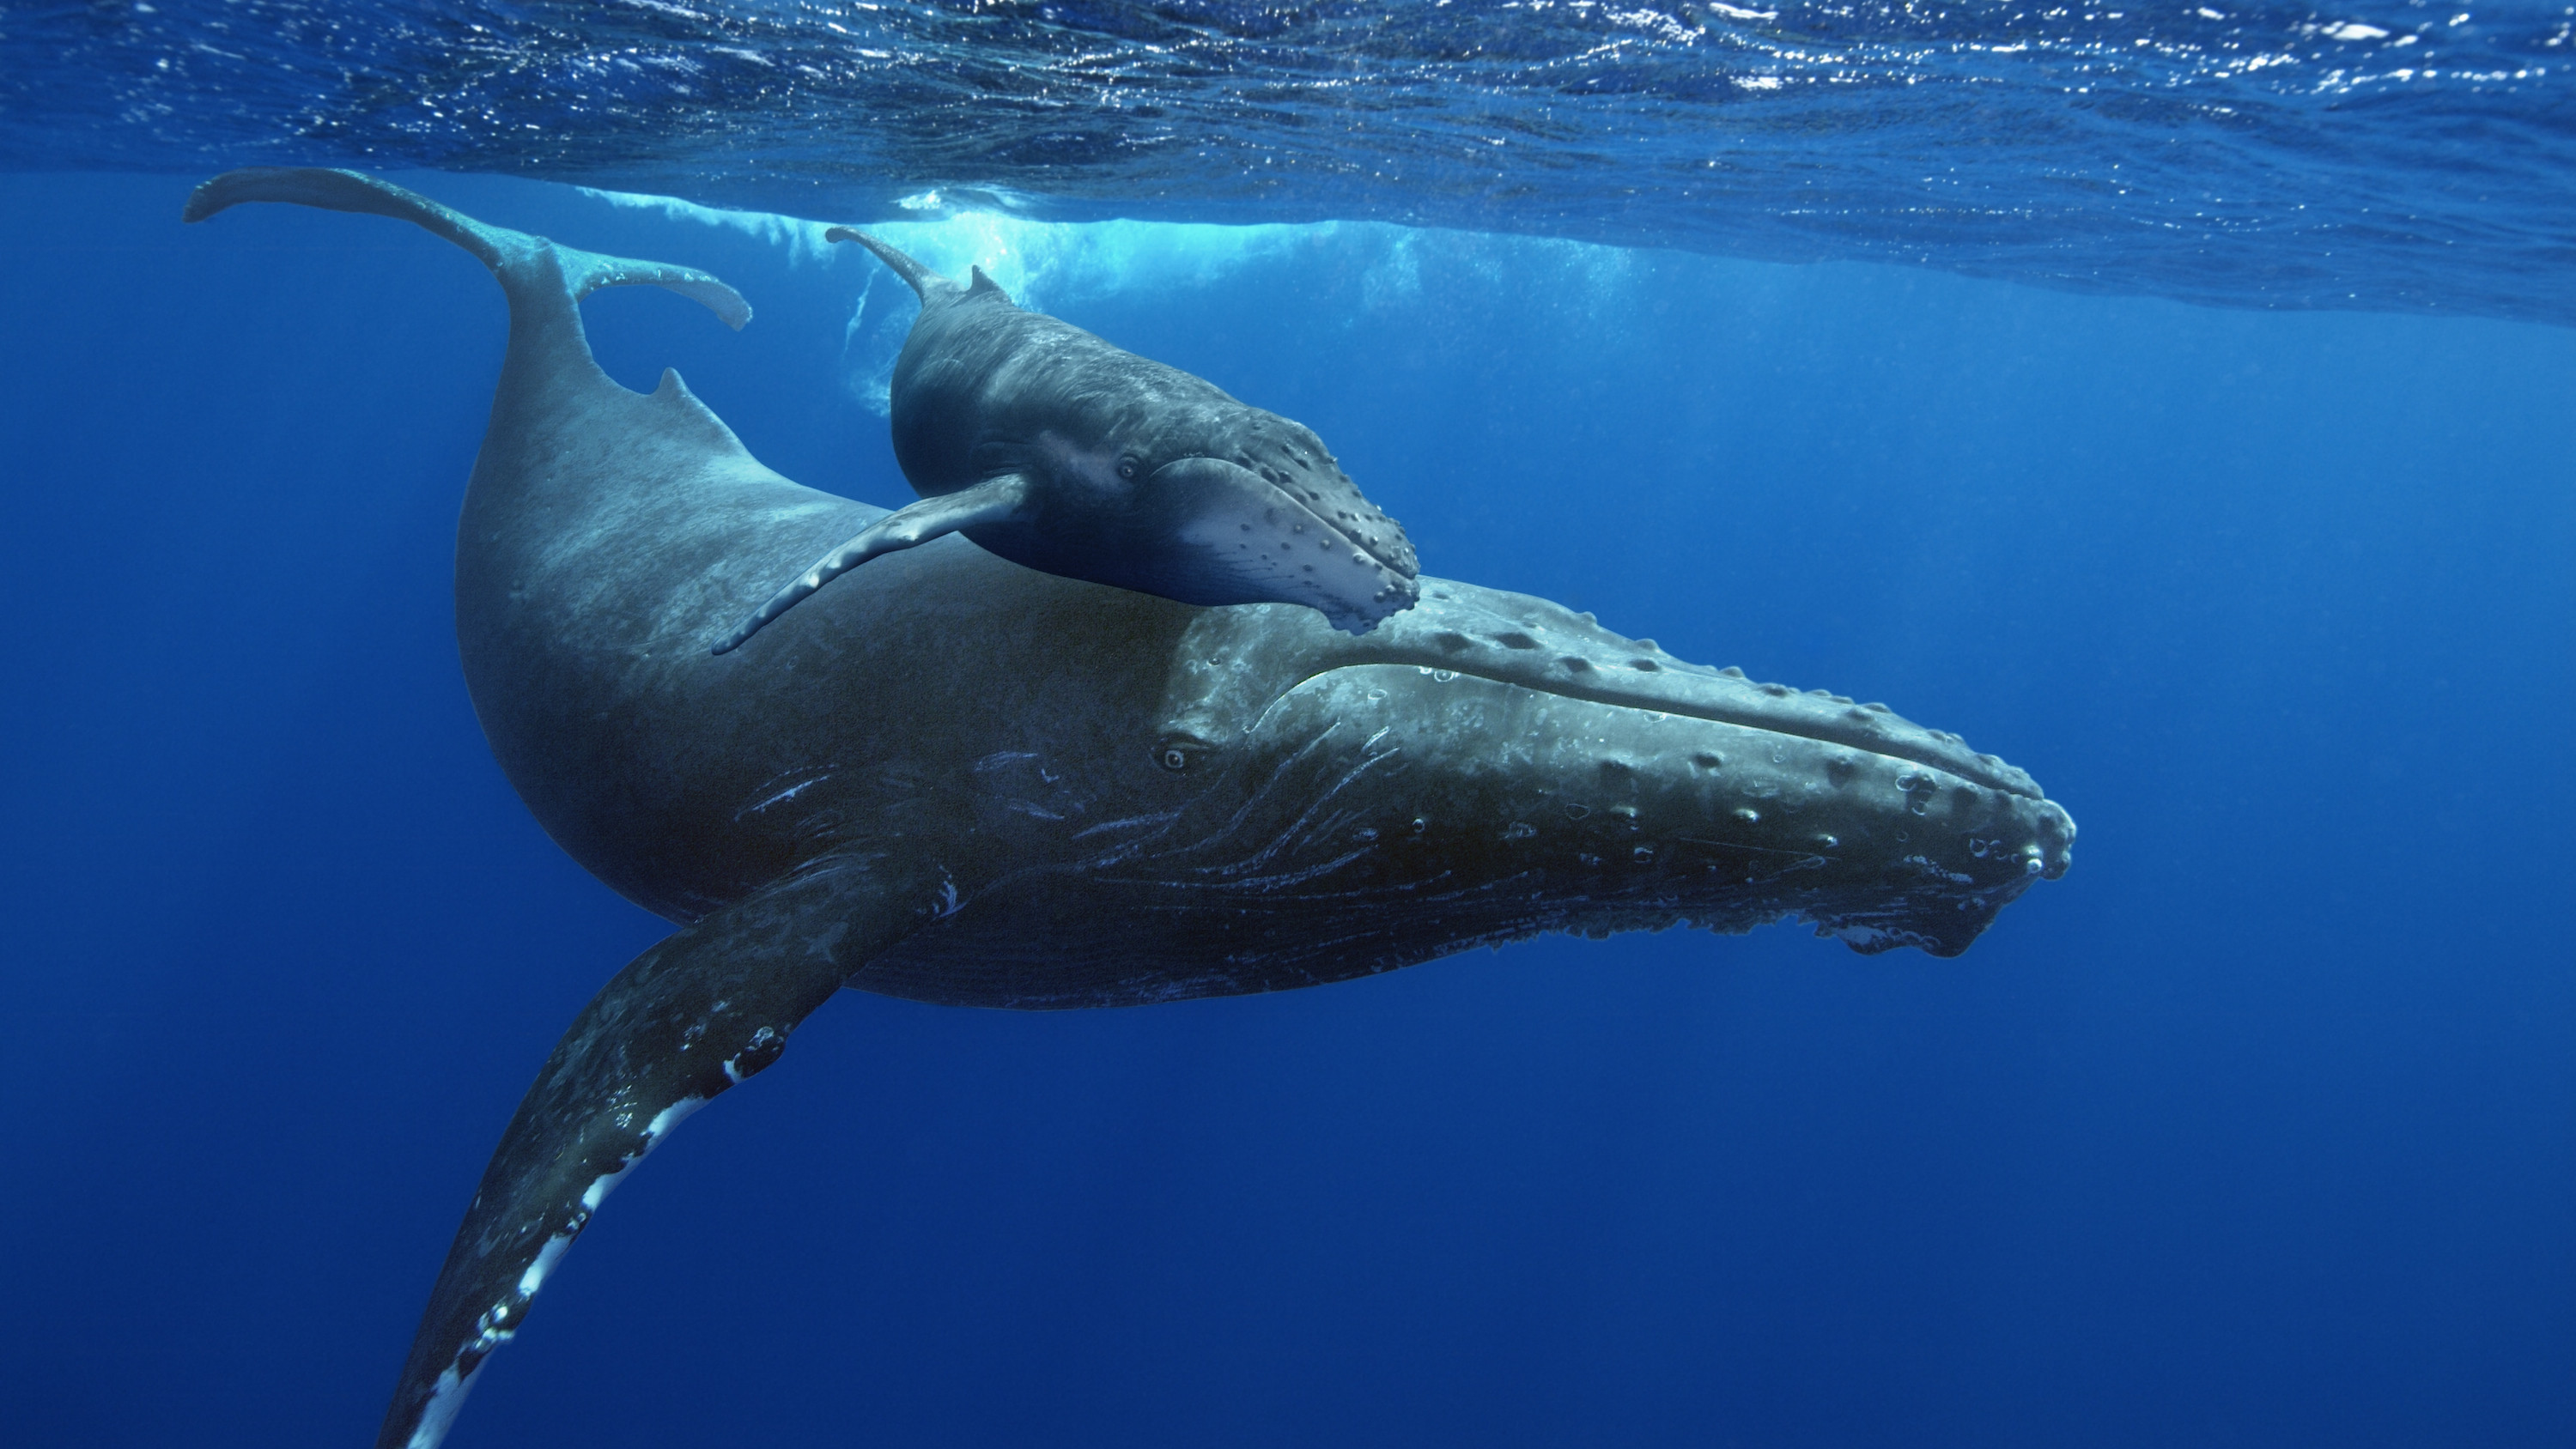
925, 283
513, 256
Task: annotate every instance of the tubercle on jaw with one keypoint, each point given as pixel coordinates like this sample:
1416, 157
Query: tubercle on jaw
1334, 497
1610, 799
1881, 728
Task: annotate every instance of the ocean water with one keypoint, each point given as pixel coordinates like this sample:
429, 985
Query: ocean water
2384, 154
2248, 527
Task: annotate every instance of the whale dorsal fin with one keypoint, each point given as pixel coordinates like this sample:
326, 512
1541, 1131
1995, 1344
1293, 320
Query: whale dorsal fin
982, 283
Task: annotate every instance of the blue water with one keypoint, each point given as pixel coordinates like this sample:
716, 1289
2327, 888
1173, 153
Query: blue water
2259, 1128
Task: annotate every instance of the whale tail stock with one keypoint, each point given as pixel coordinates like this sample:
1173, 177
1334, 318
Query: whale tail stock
516, 258
704, 1010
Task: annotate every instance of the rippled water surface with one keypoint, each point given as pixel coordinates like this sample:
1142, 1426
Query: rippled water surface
2384, 155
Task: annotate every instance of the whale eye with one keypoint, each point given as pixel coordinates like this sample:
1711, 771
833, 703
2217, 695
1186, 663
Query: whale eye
1174, 758
1127, 467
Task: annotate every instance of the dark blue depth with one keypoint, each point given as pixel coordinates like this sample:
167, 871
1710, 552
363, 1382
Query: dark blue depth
2259, 1128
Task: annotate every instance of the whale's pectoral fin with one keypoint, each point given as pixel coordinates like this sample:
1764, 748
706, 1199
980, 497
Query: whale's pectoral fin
702, 1011
995, 500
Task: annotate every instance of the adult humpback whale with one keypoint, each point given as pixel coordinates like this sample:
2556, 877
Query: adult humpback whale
1050, 447
959, 780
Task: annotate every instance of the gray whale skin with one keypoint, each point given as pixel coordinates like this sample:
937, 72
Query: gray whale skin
1050, 447
956, 779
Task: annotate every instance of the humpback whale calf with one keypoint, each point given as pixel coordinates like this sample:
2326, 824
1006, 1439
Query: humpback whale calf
959, 780
1050, 447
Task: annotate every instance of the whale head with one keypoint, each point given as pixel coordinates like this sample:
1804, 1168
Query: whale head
1250, 506
1150, 479
1482, 768
1137, 474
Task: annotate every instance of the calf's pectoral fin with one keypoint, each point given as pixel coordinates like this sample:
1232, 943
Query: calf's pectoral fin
995, 500
697, 1014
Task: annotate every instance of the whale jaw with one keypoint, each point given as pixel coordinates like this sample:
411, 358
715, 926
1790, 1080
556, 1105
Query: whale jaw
1205, 531
1249, 541
1348, 806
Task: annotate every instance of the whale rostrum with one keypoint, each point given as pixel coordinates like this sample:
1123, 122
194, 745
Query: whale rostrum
956, 779
1054, 449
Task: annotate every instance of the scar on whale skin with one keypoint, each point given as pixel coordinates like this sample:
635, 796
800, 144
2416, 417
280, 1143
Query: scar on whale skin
1053, 449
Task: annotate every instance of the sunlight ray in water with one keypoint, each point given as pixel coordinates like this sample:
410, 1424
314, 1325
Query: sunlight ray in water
1045, 264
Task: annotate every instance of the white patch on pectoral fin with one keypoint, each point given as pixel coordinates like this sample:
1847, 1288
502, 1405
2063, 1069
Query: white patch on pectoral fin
703, 1011
535, 1276
498, 1323
445, 1398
